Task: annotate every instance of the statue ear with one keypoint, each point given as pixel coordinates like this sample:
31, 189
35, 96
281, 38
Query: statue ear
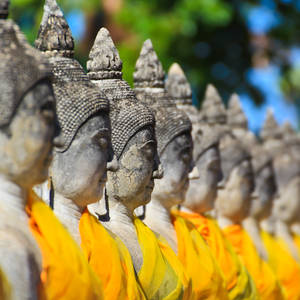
141, 212
104, 217
51, 192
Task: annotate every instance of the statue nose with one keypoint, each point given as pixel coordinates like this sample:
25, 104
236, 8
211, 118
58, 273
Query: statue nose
58, 141
194, 174
159, 173
113, 165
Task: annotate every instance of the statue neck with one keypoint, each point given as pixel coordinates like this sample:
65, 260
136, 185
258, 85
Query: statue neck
224, 221
69, 213
251, 225
120, 222
13, 198
296, 228
283, 232
159, 220
268, 225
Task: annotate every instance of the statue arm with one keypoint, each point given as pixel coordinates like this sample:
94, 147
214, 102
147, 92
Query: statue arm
19, 267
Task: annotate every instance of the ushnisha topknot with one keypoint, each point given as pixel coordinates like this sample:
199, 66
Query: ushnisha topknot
180, 92
213, 110
22, 67
270, 129
235, 114
148, 68
54, 36
178, 86
127, 115
4, 9
149, 89
77, 98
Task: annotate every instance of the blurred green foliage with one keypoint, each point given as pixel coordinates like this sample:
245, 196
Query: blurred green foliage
209, 38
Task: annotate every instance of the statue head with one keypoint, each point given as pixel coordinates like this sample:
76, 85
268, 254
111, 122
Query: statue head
265, 187
27, 105
291, 139
78, 170
234, 196
172, 127
271, 134
133, 136
287, 173
202, 191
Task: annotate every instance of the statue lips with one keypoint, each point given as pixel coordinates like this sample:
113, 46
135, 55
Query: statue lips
150, 185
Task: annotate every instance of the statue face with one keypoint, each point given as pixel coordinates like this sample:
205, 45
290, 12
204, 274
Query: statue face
26, 150
133, 182
233, 201
177, 163
287, 205
79, 173
265, 189
202, 192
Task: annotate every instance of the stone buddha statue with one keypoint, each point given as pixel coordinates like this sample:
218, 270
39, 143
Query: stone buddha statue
292, 141
265, 186
174, 141
287, 203
234, 198
135, 148
202, 191
27, 130
78, 170
175, 150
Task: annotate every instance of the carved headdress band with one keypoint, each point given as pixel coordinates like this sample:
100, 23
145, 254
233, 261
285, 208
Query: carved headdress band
22, 67
77, 98
237, 119
149, 88
127, 115
232, 153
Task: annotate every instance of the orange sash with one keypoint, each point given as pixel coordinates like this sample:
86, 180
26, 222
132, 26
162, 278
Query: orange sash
66, 274
264, 278
283, 264
198, 261
239, 283
110, 259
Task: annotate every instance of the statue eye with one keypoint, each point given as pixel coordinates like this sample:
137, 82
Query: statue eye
103, 142
148, 150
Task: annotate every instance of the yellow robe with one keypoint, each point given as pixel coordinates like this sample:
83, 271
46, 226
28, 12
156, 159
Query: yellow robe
157, 277
197, 259
239, 283
110, 260
178, 267
297, 242
5, 291
66, 274
264, 278
284, 266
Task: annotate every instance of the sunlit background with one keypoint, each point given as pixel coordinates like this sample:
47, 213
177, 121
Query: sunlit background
248, 47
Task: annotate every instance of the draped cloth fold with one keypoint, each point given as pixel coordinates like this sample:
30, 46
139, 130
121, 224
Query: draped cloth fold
239, 283
66, 274
5, 289
157, 277
197, 259
265, 280
283, 264
178, 268
110, 259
